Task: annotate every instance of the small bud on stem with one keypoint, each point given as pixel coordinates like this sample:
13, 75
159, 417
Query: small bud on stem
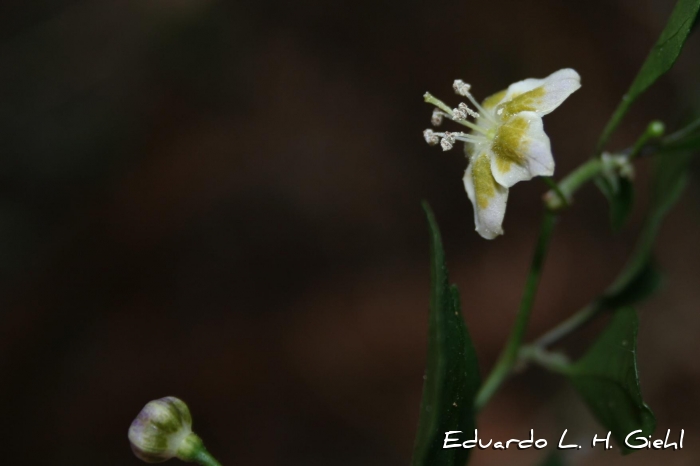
163, 430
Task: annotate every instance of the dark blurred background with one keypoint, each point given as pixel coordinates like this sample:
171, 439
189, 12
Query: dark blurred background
220, 201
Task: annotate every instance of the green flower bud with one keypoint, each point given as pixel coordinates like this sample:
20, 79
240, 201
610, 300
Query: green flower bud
163, 430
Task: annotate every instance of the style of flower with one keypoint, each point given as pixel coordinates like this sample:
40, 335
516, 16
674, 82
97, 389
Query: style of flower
507, 142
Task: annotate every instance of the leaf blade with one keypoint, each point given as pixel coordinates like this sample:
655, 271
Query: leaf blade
452, 376
607, 379
640, 277
660, 59
619, 191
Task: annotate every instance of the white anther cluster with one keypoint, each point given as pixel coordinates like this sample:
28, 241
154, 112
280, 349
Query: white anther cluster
448, 141
461, 87
459, 114
436, 119
462, 112
430, 137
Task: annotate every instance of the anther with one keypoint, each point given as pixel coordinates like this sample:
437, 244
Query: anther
459, 114
430, 137
464, 108
447, 141
461, 87
436, 119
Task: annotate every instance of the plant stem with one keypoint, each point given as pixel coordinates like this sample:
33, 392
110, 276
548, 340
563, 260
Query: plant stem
566, 327
510, 353
654, 130
556, 199
204, 458
572, 182
554, 187
554, 362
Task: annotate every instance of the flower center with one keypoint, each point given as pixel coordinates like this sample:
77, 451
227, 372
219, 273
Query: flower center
483, 129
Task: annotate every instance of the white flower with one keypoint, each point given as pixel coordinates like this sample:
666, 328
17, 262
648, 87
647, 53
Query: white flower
507, 142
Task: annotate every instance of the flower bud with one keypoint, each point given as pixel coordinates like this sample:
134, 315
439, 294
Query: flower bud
163, 430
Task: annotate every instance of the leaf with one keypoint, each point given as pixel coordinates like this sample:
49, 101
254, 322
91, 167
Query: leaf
661, 58
691, 143
553, 459
620, 194
644, 283
606, 378
685, 139
452, 374
640, 277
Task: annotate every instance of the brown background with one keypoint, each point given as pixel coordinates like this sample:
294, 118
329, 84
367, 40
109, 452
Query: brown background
220, 201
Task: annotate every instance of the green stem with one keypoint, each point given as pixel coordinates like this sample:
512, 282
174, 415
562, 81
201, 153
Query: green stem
556, 199
654, 130
510, 353
554, 187
572, 182
568, 326
683, 133
554, 362
204, 458
613, 123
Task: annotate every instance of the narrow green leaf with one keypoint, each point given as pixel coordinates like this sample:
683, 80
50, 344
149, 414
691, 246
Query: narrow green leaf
661, 58
553, 459
619, 192
606, 377
640, 286
685, 139
690, 143
640, 277
452, 373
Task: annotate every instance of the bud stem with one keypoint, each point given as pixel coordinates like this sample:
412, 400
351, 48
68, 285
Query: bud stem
204, 458
193, 450
654, 131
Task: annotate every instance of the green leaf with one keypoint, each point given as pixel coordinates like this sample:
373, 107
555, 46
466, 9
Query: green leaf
553, 459
606, 378
640, 285
640, 277
661, 58
690, 143
620, 194
452, 373
685, 139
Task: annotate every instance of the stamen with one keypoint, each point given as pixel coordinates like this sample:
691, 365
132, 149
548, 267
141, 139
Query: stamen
462, 106
447, 141
458, 114
429, 98
480, 108
461, 87
436, 119
430, 137
469, 138
471, 125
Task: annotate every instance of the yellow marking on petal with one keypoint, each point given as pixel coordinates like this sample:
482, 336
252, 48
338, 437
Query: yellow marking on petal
493, 100
484, 182
509, 145
525, 102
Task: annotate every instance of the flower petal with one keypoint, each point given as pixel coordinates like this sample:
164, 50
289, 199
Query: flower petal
488, 197
539, 95
493, 100
521, 150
